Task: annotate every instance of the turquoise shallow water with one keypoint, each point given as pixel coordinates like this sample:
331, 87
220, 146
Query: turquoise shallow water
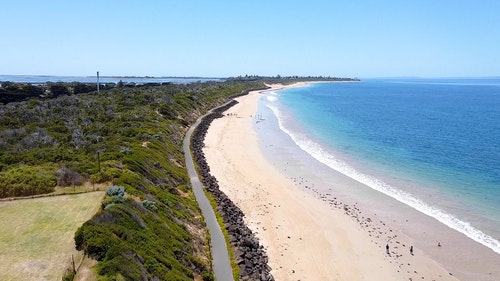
409, 139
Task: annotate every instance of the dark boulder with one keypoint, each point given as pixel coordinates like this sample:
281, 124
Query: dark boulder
249, 254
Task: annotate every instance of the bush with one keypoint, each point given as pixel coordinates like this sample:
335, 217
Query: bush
129, 240
167, 111
116, 195
116, 191
150, 205
207, 276
26, 181
67, 177
69, 275
107, 174
129, 178
94, 240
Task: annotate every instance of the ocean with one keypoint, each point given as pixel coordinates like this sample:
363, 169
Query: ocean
39, 79
431, 144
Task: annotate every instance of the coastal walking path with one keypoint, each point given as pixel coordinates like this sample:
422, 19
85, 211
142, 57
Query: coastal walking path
220, 256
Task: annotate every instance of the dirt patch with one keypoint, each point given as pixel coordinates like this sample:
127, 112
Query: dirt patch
86, 272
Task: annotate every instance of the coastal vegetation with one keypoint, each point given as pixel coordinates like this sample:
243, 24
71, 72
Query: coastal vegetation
15, 92
21, 91
128, 139
149, 225
291, 79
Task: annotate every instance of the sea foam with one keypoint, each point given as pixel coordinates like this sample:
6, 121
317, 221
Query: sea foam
316, 151
272, 96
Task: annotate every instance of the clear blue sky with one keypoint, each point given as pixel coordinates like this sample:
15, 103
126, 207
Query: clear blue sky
230, 37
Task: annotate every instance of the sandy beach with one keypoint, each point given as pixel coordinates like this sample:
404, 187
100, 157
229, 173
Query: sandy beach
306, 236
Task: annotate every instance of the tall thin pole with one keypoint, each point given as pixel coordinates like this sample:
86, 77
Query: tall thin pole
98, 81
99, 161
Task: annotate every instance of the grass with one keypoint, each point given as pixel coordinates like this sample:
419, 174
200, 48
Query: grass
101, 137
230, 250
36, 238
85, 187
87, 270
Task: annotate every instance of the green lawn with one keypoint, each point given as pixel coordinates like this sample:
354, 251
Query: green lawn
36, 235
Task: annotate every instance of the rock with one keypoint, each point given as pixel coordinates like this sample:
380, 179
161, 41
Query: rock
250, 255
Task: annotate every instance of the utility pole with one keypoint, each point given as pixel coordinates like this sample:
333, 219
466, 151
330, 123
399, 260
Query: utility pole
99, 161
98, 81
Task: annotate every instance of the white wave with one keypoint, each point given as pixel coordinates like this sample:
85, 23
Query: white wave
316, 151
272, 98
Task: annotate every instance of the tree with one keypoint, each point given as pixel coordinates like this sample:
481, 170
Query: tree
80, 88
68, 177
33, 91
58, 89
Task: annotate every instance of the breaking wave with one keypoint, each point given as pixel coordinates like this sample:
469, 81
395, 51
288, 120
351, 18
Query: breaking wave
320, 154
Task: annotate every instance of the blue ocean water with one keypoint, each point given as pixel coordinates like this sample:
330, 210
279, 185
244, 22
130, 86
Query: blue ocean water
407, 138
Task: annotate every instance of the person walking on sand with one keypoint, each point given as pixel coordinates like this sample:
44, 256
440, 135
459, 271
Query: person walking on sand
411, 250
387, 249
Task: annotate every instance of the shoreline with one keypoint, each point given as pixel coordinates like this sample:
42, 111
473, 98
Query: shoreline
460, 255
305, 237
248, 253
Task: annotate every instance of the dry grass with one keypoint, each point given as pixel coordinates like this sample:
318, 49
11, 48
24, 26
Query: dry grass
85, 187
36, 235
86, 270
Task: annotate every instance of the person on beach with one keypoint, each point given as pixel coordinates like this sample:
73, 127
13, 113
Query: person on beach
411, 250
387, 249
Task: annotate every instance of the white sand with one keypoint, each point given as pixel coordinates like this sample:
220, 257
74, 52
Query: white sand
305, 237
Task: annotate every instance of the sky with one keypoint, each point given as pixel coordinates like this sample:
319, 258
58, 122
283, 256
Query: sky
223, 38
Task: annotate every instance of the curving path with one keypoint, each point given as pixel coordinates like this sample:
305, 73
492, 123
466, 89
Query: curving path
220, 257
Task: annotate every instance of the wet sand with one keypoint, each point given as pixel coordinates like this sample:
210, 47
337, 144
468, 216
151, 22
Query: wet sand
308, 235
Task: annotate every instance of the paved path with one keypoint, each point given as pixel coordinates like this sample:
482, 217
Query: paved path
220, 257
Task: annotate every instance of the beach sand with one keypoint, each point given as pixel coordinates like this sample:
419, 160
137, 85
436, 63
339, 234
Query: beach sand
306, 236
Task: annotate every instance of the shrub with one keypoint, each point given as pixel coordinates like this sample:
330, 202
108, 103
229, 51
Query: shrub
67, 177
129, 178
116, 191
167, 111
150, 205
207, 276
116, 195
94, 240
107, 174
69, 275
130, 241
27, 180
125, 150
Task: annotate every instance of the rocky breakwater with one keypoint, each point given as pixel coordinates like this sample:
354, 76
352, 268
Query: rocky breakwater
249, 254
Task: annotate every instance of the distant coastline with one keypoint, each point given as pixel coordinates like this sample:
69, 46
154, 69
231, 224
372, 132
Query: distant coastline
102, 79
40, 79
15, 88
156, 77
